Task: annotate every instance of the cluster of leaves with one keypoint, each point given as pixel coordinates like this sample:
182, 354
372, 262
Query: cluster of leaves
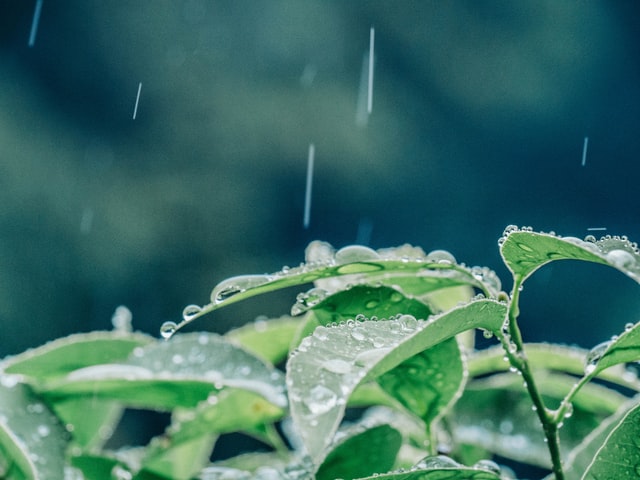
384, 338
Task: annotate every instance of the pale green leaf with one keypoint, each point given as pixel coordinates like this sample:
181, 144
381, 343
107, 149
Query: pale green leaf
624, 348
32, 440
61, 356
178, 373
269, 339
619, 455
333, 362
525, 251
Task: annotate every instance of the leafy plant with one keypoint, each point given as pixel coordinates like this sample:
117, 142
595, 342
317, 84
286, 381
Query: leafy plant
379, 379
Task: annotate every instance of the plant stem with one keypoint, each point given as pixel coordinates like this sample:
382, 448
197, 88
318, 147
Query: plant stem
514, 347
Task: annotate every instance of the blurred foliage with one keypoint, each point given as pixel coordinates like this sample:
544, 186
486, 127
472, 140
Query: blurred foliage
479, 115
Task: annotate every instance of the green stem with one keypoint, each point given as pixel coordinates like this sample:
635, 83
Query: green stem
514, 347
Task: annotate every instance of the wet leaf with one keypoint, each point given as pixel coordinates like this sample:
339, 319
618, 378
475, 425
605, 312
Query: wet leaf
525, 251
619, 455
379, 445
624, 348
427, 383
329, 365
32, 440
409, 268
448, 473
178, 373
59, 357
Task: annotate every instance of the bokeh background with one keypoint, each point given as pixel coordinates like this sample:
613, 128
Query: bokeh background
480, 109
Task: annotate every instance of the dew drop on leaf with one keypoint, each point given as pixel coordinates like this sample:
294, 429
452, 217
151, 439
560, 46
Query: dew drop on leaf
190, 312
355, 253
320, 400
620, 258
488, 465
628, 327
121, 319
441, 256
438, 461
168, 329
594, 356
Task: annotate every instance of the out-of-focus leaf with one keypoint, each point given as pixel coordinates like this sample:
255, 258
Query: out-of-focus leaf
525, 251
376, 449
32, 440
59, 357
269, 339
329, 365
178, 373
496, 414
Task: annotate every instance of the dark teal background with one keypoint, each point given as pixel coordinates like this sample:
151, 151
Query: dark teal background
480, 109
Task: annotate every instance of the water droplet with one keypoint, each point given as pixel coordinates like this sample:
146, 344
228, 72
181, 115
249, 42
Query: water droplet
8, 381
337, 365
436, 462
488, 334
320, 400
594, 356
168, 329
232, 286
190, 312
121, 319
355, 253
319, 252
371, 304
441, 256
620, 258
488, 465
569, 410
628, 327
43, 430
119, 473
590, 239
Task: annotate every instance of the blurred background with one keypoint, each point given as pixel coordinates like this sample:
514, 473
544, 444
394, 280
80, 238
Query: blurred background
480, 110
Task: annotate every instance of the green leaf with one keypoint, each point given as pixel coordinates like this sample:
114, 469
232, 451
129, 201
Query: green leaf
32, 440
409, 268
583, 454
59, 357
178, 373
376, 449
329, 365
525, 251
179, 460
624, 348
91, 420
427, 383
619, 455
496, 414
267, 339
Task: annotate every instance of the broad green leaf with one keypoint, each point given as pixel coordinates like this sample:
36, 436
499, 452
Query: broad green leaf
546, 356
582, 456
624, 348
269, 339
413, 271
32, 440
376, 449
359, 300
59, 357
525, 251
91, 421
178, 373
496, 414
329, 365
427, 383
619, 455
179, 460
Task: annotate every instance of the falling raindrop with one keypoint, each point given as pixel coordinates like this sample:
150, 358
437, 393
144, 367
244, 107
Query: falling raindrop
34, 23
135, 108
307, 194
168, 329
